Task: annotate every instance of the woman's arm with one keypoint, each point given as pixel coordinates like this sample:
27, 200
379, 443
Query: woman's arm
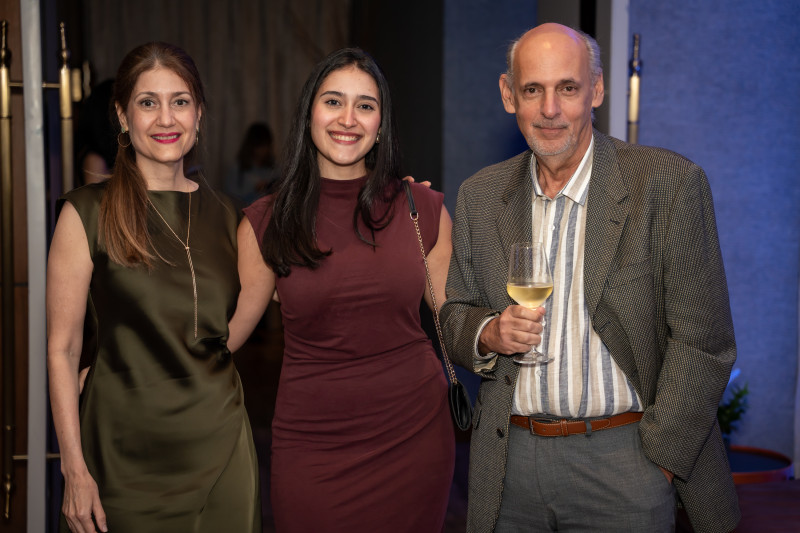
439, 260
69, 272
258, 283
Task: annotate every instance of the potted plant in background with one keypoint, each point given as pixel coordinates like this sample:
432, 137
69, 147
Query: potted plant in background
748, 464
732, 408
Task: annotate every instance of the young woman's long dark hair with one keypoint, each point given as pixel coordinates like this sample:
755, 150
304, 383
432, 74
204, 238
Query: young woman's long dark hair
290, 236
123, 210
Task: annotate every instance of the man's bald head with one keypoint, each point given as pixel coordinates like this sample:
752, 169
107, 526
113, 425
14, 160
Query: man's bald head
591, 46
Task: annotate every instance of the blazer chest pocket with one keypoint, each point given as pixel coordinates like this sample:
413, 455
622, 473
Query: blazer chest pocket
630, 273
629, 291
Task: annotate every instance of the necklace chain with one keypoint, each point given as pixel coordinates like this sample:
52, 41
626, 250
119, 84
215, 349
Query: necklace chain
186, 247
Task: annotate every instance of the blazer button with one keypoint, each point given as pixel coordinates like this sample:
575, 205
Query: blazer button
500, 433
508, 380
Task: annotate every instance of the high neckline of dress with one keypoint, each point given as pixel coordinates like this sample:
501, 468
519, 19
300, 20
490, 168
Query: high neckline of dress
342, 188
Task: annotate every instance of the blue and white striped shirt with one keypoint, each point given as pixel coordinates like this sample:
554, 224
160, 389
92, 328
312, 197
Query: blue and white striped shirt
582, 380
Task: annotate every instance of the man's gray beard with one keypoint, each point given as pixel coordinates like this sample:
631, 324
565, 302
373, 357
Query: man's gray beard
538, 147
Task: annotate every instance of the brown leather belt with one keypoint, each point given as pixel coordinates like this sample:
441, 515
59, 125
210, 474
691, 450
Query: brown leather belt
565, 427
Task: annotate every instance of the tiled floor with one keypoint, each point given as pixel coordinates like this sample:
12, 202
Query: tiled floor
259, 363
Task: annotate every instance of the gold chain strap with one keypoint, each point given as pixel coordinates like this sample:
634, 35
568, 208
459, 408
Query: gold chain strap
451, 373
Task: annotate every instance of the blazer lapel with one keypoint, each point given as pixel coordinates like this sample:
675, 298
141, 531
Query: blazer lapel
514, 222
607, 212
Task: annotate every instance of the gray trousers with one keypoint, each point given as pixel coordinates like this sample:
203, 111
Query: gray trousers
600, 482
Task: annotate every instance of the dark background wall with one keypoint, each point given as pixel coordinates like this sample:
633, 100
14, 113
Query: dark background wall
406, 39
477, 130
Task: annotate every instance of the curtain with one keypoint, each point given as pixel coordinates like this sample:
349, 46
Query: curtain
253, 56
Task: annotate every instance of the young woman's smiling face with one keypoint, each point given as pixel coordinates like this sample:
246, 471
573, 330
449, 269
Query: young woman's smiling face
345, 120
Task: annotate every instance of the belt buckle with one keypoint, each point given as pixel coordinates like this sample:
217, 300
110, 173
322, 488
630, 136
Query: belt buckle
557, 426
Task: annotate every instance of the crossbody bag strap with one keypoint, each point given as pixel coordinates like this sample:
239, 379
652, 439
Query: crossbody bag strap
451, 373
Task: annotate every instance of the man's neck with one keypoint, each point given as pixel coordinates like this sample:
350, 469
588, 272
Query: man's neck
554, 172
553, 179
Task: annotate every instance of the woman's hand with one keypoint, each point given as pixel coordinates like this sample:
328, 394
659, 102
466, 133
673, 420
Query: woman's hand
410, 179
81, 503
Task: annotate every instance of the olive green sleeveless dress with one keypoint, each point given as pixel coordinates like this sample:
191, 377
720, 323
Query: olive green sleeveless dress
163, 425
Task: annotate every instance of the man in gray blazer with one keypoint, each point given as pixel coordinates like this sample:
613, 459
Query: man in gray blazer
638, 325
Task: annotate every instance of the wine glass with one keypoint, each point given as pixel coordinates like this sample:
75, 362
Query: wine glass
529, 284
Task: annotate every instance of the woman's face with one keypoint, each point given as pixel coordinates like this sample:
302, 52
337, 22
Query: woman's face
162, 118
345, 119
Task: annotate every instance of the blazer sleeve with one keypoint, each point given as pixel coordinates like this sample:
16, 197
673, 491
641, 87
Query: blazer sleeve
699, 349
467, 306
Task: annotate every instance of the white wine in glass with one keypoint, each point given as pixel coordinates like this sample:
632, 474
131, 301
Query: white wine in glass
529, 284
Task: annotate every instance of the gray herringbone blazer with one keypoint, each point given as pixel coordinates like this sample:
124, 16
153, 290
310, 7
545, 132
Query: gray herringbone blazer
657, 296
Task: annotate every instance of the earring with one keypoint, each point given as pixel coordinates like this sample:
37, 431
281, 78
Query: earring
197, 135
378, 138
119, 138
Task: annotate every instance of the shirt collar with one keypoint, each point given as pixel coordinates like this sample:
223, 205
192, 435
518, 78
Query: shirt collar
577, 187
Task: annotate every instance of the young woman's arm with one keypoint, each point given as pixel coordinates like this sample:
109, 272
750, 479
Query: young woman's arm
439, 260
258, 284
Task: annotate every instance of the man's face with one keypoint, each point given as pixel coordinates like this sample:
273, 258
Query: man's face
553, 94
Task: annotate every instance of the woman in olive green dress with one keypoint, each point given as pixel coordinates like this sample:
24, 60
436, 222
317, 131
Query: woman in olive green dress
159, 438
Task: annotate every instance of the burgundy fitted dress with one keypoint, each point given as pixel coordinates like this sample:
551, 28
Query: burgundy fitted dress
362, 436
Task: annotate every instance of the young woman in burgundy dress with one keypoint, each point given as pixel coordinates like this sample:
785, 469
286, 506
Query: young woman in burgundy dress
362, 436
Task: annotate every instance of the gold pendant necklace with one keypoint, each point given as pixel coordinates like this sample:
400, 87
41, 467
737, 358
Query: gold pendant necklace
188, 251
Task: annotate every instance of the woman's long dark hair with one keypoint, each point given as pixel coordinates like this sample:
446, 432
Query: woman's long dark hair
290, 236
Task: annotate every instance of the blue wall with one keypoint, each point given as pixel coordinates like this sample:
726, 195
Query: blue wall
476, 130
721, 85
